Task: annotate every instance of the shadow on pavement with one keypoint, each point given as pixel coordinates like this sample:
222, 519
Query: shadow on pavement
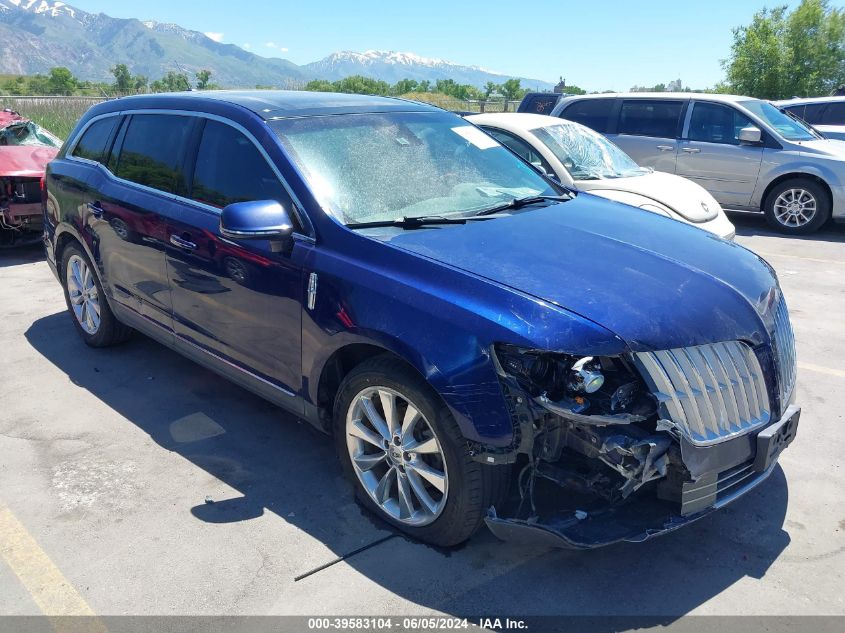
755, 224
21, 255
283, 466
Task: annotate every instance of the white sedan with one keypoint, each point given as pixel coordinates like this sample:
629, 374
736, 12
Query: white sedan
578, 157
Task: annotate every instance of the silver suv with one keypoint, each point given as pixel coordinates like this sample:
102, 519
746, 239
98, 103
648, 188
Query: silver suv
747, 153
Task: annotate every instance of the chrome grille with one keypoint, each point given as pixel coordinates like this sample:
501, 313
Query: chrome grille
784, 343
710, 392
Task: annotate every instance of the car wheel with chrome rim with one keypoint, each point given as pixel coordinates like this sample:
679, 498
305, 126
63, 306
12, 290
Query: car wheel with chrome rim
87, 302
797, 206
403, 451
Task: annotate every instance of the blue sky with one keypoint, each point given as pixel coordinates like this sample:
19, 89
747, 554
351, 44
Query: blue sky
598, 44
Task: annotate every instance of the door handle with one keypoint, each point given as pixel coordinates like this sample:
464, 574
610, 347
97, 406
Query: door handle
182, 243
692, 150
665, 148
95, 209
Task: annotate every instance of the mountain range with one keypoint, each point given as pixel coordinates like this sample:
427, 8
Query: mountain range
36, 35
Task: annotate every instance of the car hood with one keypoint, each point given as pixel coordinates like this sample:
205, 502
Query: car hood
654, 282
25, 161
829, 147
686, 198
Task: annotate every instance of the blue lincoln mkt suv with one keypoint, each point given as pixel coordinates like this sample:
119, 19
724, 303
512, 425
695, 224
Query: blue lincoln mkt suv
482, 344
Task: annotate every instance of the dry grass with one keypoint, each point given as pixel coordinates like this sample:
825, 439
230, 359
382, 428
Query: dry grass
57, 114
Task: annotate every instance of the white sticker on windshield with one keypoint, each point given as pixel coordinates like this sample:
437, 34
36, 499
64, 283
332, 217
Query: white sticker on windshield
476, 136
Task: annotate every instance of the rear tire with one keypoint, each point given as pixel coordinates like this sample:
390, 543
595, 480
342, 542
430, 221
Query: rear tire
444, 514
86, 301
798, 206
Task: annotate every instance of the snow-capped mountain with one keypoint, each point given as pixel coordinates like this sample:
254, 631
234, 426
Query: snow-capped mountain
391, 66
36, 35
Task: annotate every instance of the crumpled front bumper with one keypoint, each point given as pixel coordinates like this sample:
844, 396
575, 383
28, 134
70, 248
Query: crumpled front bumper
643, 516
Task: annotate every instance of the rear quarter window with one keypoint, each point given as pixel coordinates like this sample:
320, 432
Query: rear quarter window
539, 103
594, 113
93, 143
646, 117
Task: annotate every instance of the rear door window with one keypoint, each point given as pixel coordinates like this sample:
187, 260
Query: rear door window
594, 113
647, 117
813, 113
716, 123
230, 168
153, 151
833, 115
94, 141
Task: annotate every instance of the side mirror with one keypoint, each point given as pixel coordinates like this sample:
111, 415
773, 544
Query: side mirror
750, 135
255, 220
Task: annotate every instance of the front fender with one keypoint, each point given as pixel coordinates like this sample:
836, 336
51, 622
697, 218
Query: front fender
444, 323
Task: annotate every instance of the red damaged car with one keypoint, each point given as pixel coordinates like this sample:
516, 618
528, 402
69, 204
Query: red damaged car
25, 150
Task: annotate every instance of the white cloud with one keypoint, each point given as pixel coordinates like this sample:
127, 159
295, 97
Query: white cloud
276, 47
246, 46
217, 37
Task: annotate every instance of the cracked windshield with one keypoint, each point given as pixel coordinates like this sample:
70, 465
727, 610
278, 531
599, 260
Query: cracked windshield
375, 167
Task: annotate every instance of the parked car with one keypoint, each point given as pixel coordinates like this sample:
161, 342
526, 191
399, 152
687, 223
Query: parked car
539, 102
25, 150
746, 152
482, 343
825, 114
576, 156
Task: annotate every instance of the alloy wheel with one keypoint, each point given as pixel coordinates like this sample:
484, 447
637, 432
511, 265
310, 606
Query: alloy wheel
795, 207
396, 455
84, 297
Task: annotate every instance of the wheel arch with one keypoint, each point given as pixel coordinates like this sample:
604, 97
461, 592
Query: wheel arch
339, 364
796, 176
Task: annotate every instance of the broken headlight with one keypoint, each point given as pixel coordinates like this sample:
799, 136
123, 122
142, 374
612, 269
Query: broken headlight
580, 384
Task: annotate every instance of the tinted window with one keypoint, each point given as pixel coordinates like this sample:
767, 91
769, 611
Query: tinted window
153, 151
539, 103
797, 110
812, 113
716, 123
243, 173
643, 117
834, 115
92, 145
594, 113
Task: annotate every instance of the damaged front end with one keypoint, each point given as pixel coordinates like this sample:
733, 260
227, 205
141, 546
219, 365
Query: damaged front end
623, 448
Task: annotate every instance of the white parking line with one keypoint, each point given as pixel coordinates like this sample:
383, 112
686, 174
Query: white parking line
806, 259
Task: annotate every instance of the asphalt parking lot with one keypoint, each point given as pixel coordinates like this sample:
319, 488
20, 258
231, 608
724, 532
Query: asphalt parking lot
132, 481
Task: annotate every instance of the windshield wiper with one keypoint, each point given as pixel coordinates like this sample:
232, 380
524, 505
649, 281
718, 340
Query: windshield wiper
409, 222
518, 203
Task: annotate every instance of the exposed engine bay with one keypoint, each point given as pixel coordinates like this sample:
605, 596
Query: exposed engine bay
25, 150
21, 219
596, 460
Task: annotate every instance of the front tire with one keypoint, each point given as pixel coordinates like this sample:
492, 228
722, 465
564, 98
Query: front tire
86, 301
798, 206
402, 450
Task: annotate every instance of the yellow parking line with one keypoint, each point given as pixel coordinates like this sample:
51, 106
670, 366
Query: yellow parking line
50, 590
822, 370
806, 259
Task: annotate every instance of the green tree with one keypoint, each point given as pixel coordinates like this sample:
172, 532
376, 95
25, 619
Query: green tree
404, 86
490, 88
425, 86
203, 77
61, 81
512, 90
319, 85
122, 79
171, 82
782, 54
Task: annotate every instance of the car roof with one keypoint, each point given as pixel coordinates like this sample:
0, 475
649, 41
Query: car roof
703, 96
273, 104
808, 100
520, 120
